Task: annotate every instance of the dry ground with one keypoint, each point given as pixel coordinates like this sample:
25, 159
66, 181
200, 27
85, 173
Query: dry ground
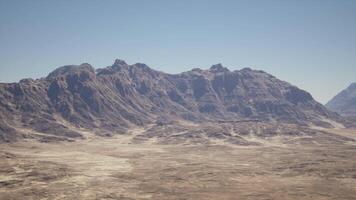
116, 168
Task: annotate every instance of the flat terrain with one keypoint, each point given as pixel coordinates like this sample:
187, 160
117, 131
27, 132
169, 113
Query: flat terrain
117, 168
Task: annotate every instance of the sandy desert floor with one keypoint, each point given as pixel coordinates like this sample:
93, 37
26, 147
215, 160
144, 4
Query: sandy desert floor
115, 168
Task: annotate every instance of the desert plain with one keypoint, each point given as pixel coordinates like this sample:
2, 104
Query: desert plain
122, 167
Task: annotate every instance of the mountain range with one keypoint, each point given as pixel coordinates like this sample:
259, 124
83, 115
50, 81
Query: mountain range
110, 100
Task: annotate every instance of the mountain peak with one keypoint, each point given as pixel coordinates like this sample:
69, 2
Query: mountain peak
119, 62
140, 65
218, 68
344, 102
67, 69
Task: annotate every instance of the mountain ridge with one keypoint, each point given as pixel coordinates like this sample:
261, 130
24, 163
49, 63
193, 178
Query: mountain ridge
119, 96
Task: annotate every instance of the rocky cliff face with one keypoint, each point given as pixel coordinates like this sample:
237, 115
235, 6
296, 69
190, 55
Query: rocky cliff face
114, 98
345, 102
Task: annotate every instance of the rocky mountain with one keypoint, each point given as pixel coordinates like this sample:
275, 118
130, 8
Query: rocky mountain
345, 102
111, 99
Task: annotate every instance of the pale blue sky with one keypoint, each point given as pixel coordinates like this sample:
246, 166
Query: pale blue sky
311, 43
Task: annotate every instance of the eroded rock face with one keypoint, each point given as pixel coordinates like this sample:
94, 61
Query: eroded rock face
345, 102
121, 95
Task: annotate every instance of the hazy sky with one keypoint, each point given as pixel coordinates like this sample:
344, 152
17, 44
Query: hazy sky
311, 44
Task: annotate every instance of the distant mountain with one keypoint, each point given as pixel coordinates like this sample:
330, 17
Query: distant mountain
345, 102
111, 99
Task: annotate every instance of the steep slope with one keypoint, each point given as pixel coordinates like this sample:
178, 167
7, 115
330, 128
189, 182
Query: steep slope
111, 99
345, 102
